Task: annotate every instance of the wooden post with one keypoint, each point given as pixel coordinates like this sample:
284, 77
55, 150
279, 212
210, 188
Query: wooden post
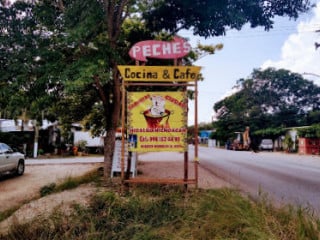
127, 175
196, 159
122, 130
186, 169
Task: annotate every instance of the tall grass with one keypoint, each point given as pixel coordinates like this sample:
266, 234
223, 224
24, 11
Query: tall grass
155, 212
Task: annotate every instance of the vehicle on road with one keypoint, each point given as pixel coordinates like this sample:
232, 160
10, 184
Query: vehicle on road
11, 161
266, 144
238, 143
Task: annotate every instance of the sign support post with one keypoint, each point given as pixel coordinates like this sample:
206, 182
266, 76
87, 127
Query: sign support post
123, 130
196, 159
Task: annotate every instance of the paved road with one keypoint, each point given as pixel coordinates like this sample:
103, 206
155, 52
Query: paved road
289, 178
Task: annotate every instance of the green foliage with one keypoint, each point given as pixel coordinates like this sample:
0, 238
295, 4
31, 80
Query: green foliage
13, 138
167, 212
313, 117
272, 98
270, 132
213, 18
203, 50
310, 132
288, 142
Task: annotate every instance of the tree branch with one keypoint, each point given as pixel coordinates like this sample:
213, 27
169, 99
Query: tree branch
60, 5
114, 10
99, 87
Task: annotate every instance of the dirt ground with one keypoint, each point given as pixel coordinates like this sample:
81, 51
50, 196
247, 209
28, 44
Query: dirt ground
15, 191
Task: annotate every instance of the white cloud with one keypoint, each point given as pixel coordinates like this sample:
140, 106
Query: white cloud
298, 51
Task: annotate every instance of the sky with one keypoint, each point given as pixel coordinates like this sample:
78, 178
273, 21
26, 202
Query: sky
289, 45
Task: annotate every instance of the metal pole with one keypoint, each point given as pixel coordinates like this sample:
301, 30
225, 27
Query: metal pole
196, 159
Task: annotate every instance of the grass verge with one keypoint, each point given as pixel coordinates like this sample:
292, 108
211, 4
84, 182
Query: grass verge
154, 212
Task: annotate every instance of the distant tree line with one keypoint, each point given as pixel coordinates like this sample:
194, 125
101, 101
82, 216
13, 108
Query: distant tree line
269, 101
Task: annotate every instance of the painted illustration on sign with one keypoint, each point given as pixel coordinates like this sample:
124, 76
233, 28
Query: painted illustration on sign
157, 121
156, 115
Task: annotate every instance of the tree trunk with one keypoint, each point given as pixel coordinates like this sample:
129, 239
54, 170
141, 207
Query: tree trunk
116, 11
108, 154
112, 124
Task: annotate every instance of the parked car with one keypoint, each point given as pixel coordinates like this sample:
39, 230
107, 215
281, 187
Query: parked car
11, 161
266, 144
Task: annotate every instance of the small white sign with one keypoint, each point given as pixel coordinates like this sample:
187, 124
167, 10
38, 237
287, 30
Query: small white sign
116, 161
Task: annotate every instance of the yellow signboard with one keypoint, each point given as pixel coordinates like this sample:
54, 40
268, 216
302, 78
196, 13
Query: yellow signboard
157, 121
159, 73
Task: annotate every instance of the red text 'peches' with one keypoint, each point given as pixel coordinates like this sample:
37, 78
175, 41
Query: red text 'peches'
175, 49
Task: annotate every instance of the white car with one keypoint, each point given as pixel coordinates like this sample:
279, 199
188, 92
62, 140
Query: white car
11, 161
266, 144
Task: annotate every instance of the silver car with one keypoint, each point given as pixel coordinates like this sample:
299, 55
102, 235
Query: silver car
266, 144
11, 161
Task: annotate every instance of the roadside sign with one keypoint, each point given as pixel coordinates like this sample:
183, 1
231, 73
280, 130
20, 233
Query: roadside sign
157, 121
175, 49
159, 73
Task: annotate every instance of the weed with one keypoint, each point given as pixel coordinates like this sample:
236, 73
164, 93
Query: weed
47, 189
